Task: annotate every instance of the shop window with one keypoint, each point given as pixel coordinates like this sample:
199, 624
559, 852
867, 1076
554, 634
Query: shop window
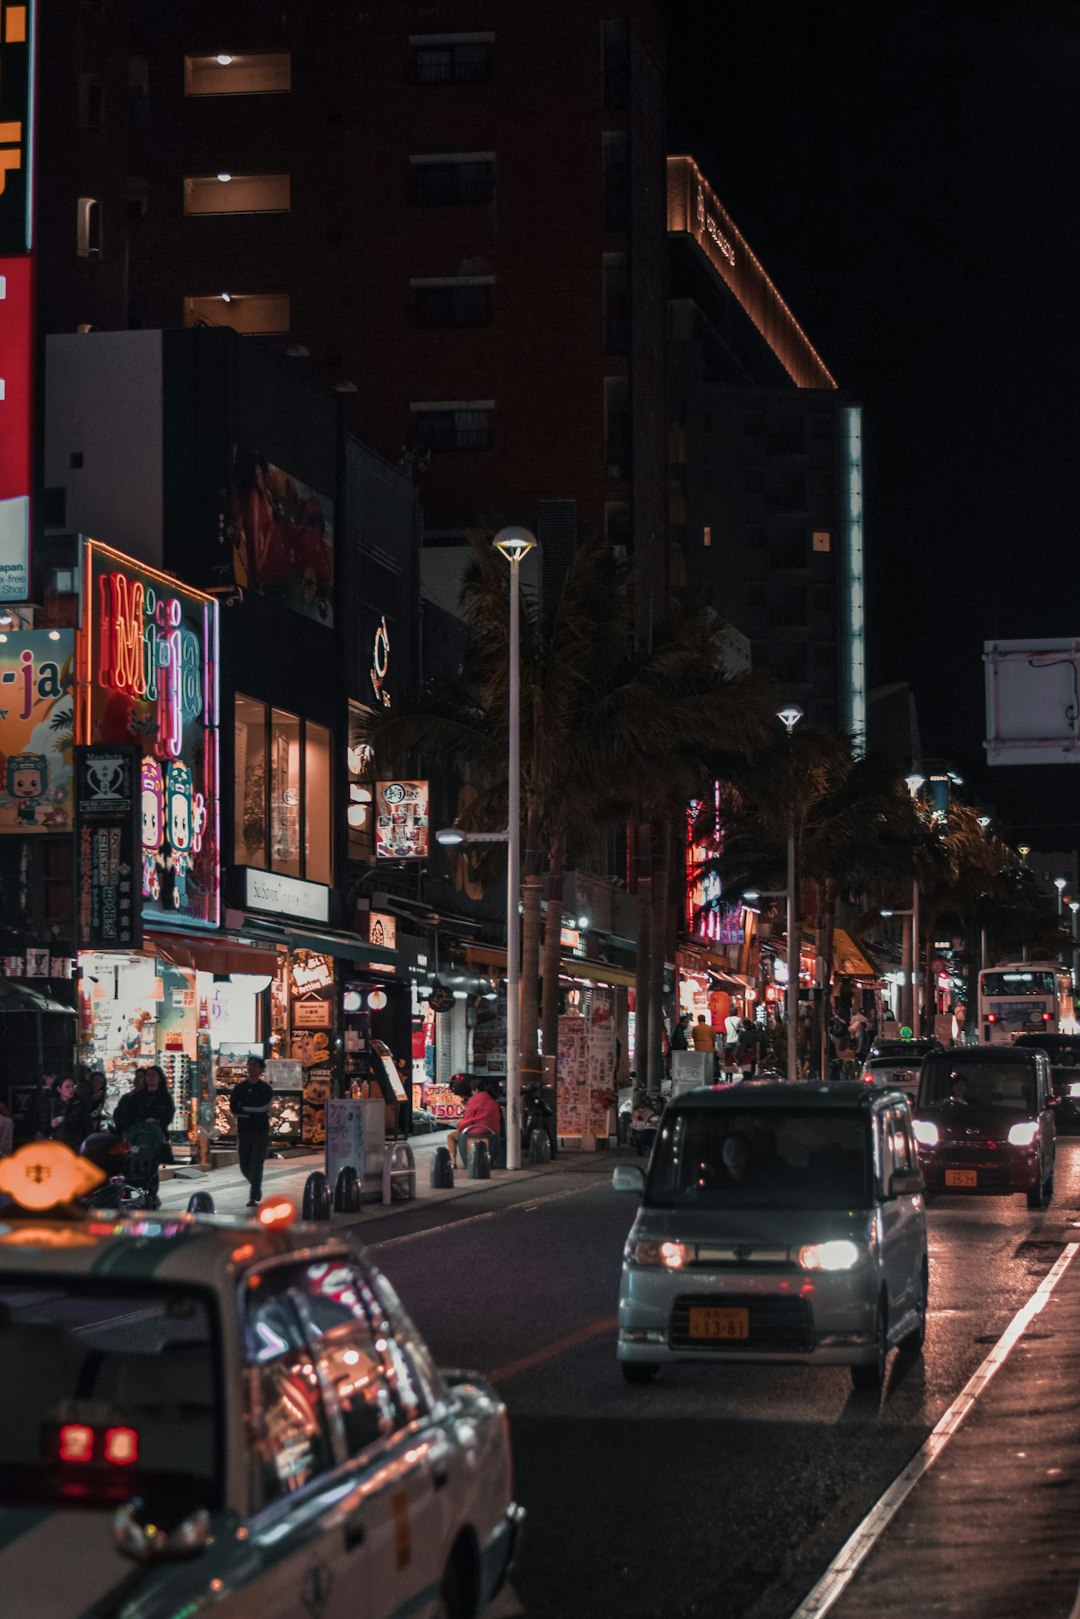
283, 796
227, 193
226, 75
253, 314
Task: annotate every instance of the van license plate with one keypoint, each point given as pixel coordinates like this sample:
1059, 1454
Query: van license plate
714, 1322
961, 1177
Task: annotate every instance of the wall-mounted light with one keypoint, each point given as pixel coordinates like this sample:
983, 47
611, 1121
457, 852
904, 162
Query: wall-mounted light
377, 999
226, 297
223, 60
224, 178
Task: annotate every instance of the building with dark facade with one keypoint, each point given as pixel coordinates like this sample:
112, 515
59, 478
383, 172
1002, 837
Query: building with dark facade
454, 212
766, 474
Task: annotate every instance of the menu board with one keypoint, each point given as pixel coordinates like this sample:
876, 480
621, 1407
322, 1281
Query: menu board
318, 1089
574, 1096
601, 1059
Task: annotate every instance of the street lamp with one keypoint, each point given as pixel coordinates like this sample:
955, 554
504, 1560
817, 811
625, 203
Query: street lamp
514, 544
1023, 850
1074, 906
451, 836
789, 717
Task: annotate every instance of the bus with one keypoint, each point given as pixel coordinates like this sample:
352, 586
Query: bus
1025, 997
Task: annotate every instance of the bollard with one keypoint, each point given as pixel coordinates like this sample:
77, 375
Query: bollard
539, 1147
479, 1159
347, 1191
442, 1169
200, 1203
399, 1174
316, 1197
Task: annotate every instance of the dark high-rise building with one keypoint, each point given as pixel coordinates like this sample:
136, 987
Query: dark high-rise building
454, 211
765, 464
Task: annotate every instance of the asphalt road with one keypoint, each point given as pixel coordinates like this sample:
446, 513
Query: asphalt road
719, 1491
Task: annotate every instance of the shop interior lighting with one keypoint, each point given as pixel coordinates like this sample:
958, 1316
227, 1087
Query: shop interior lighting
224, 178
255, 982
583, 922
226, 297
224, 60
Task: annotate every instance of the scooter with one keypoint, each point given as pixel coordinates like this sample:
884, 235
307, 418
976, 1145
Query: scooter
128, 1161
646, 1111
537, 1116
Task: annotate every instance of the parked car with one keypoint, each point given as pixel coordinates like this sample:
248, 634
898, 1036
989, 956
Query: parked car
984, 1121
246, 1414
777, 1223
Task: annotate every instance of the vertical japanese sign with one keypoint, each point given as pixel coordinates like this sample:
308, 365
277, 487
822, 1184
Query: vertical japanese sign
107, 834
149, 677
16, 295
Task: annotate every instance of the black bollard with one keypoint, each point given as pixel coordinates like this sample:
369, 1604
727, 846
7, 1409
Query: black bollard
316, 1197
200, 1203
442, 1169
347, 1191
479, 1160
539, 1147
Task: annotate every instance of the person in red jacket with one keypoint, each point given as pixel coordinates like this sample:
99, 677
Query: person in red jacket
482, 1117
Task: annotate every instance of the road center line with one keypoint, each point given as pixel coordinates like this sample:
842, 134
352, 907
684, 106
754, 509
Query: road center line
549, 1351
849, 1559
488, 1214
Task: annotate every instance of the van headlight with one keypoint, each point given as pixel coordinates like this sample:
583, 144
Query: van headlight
838, 1255
926, 1132
666, 1255
1023, 1135
1074, 1089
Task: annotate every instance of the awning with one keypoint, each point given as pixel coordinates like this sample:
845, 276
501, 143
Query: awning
17, 997
213, 955
598, 972
486, 956
347, 947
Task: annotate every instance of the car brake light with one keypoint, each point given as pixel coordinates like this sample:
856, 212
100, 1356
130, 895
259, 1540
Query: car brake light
121, 1446
991, 1017
1046, 1017
76, 1442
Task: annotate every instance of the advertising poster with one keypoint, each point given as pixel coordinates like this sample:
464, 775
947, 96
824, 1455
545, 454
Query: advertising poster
109, 908
574, 1098
283, 537
401, 820
150, 651
37, 730
318, 1089
601, 1057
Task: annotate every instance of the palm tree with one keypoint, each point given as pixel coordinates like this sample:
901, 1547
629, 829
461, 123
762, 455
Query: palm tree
606, 732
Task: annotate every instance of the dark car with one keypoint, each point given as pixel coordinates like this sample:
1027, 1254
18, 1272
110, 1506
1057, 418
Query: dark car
1066, 1088
984, 1122
1062, 1049
901, 1070
912, 1051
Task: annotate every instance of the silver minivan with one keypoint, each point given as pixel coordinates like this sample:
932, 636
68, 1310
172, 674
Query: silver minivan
777, 1223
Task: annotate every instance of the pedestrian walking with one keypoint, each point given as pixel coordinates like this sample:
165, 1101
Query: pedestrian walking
155, 1105
7, 1131
250, 1106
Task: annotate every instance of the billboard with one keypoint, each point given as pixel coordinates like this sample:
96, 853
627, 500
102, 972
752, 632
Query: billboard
16, 421
149, 679
108, 913
401, 820
16, 125
1032, 702
37, 730
282, 537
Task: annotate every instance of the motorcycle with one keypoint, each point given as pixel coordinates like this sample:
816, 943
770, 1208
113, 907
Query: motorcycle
129, 1162
643, 1113
538, 1114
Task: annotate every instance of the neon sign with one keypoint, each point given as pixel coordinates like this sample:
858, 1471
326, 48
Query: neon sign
380, 663
150, 662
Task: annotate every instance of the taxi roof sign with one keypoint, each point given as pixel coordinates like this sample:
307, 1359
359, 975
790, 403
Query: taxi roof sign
43, 1174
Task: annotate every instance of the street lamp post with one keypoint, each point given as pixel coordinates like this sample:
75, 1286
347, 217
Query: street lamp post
514, 544
789, 717
1074, 906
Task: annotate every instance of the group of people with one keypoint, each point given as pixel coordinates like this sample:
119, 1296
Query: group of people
741, 1044
69, 1110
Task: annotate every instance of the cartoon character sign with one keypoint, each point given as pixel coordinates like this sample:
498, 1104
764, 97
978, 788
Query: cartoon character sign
27, 784
153, 826
185, 822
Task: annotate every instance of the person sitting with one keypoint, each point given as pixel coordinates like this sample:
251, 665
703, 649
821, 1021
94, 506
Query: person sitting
482, 1117
959, 1090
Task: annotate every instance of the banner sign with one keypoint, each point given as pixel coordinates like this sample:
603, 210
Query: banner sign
16, 417
37, 730
16, 125
401, 820
150, 673
283, 537
107, 807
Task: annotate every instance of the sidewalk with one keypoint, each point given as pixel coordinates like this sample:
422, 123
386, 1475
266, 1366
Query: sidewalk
989, 1531
287, 1176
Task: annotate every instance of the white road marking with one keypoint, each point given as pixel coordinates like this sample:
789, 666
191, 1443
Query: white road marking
848, 1560
488, 1214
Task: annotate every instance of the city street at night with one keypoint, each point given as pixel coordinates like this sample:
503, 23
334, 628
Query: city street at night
728, 1491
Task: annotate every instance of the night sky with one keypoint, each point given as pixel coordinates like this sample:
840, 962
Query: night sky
907, 174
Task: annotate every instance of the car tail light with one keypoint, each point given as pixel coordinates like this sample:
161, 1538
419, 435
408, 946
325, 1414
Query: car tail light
991, 1017
79, 1444
121, 1446
76, 1442
1046, 1017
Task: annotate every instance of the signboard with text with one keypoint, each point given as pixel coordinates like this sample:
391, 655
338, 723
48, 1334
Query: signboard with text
17, 18
16, 418
401, 820
150, 681
108, 914
37, 730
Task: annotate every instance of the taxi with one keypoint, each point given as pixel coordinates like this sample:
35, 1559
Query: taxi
206, 1414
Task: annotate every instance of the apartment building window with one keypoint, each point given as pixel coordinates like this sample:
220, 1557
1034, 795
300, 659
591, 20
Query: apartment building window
453, 178
618, 436
459, 425
88, 228
616, 303
91, 103
226, 193
616, 64
253, 74
254, 314
453, 58
616, 180
282, 792
617, 526
453, 301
